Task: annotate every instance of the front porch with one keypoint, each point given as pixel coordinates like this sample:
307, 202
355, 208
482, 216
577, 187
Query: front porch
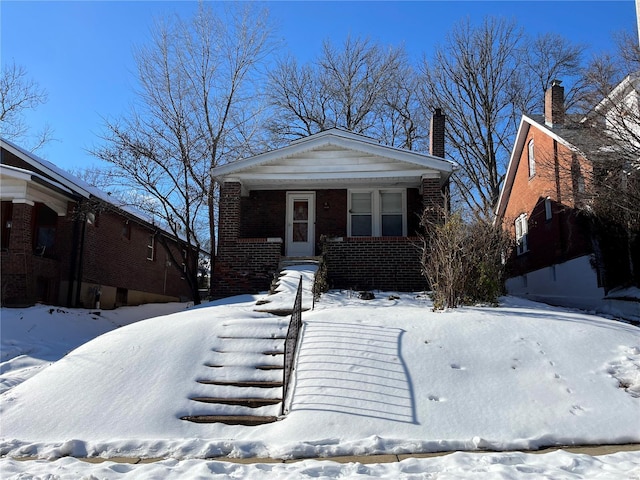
344, 197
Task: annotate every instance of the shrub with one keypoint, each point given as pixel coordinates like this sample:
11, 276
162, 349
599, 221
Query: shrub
463, 262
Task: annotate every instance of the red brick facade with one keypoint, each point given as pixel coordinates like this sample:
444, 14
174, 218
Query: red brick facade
248, 262
109, 256
68, 258
564, 236
374, 263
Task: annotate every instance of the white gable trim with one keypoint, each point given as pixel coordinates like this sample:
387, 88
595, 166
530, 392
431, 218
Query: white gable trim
339, 139
523, 130
54, 172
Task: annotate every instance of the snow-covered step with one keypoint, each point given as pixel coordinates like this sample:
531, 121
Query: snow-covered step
248, 420
243, 383
253, 402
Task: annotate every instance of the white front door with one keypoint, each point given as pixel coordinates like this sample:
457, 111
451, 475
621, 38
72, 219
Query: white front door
301, 217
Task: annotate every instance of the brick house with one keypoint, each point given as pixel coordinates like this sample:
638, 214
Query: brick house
67, 243
548, 178
337, 194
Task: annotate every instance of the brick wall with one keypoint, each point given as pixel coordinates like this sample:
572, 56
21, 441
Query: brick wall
381, 263
565, 236
111, 257
229, 219
18, 282
433, 199
263, 214
245, 264
248, 266
108, 259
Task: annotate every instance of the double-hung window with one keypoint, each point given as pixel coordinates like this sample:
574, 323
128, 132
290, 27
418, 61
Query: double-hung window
522, 230
532, 159
377, 213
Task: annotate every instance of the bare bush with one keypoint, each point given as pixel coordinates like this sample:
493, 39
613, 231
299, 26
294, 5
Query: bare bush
463, 262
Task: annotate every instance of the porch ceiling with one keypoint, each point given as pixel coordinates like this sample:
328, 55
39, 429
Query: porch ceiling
302, 181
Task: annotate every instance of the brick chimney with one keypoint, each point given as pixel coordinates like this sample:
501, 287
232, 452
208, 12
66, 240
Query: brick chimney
554, 104
436, 134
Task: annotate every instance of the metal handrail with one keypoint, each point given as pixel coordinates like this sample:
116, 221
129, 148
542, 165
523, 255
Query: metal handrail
291, 342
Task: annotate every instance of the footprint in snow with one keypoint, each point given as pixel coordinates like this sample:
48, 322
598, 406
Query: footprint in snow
576, 410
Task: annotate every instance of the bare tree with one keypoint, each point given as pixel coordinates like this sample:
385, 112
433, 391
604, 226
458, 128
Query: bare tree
19, 93
360, 86
198, 107
548, 57
484, 78
610, 140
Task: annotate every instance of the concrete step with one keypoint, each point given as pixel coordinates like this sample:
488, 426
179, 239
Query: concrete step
257, 367
289, 261
242, 402
270, 367
247, 420
237, 337
243, 383
273, 353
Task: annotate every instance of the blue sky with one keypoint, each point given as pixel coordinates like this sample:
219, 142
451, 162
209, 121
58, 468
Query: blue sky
81, 51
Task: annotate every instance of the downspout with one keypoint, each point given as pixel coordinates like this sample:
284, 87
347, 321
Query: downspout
81, 260
74, 262
561, 223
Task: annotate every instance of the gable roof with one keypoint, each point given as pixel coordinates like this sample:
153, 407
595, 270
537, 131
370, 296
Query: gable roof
562, 135
333, 158
47, 174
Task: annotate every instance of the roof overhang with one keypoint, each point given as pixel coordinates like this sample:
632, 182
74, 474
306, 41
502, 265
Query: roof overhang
526, 123
21, 186
334, 159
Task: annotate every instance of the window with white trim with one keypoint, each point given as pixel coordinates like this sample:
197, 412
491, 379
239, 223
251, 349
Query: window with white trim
377, 213
532, 159
522, 230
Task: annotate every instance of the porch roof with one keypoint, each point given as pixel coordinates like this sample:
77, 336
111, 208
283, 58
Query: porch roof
334, 159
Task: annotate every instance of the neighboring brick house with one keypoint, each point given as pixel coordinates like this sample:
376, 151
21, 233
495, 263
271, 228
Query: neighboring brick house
548, 178
337, 194
67, 243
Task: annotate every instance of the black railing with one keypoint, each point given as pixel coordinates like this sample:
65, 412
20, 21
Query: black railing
291, 342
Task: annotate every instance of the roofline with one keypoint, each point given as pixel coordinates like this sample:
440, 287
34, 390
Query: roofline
26, 175
619, 90
42, 164
339, 138
526, 123
64, 180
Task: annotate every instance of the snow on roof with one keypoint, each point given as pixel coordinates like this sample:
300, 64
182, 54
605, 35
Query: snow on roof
70, 183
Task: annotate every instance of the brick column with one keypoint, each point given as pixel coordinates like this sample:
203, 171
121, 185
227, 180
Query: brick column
20, 287
432, 199
229, 219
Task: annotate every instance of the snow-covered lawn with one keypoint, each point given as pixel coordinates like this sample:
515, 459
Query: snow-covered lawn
381, 376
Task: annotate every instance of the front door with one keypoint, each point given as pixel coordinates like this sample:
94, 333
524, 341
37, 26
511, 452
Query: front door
301, 217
